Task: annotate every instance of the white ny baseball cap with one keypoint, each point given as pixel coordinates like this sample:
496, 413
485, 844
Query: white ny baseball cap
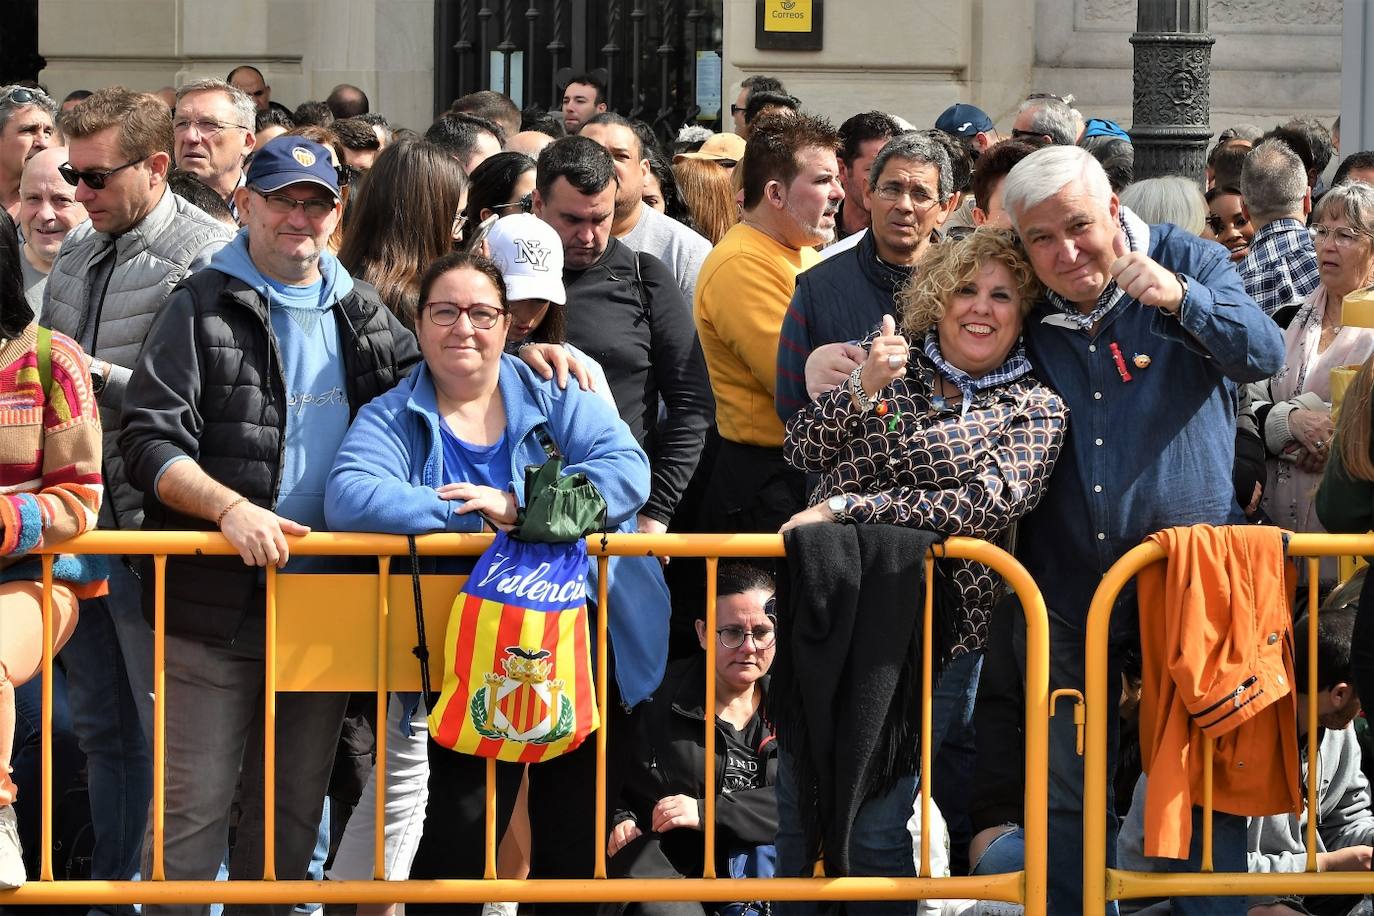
529, 254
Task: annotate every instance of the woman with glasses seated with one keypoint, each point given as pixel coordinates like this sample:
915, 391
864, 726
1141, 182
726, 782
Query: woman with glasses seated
657, 829
1293, 409
446, 450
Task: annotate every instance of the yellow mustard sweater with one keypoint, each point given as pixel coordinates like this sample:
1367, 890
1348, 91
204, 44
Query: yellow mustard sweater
743, 291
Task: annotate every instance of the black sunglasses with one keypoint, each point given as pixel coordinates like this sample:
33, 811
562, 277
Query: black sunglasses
524, 204
96, 178
23, 96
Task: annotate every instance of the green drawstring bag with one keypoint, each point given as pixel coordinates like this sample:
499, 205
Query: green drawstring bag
558, 509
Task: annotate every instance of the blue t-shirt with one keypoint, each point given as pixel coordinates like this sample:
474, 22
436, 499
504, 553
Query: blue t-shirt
485, 465
316, 397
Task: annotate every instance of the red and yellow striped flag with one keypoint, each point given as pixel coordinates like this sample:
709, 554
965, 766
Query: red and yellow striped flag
517, 673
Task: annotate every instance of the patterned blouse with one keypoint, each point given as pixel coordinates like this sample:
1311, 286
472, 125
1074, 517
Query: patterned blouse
914, 460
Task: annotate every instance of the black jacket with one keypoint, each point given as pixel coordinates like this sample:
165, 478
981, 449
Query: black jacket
670, 758
631, 318
208, 384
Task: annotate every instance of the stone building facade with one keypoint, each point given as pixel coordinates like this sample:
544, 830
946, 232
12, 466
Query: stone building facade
911, 57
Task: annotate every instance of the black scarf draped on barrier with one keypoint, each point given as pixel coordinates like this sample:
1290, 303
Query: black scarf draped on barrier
846, 697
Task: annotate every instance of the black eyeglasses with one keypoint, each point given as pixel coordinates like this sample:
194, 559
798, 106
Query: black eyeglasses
1027, 135
733, 637
95, 178
285, 204
737, 109
481, 317
524, 204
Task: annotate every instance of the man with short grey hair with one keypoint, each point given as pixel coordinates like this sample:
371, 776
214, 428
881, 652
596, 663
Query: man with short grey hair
212, 131
1281, 268
1154, 441
1050, 118
909, 191
26, 127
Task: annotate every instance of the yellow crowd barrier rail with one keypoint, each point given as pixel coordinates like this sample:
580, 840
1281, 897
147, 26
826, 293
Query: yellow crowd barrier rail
1101, 883
366, 646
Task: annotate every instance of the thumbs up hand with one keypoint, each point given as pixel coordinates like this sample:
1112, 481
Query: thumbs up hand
887, 358
1143, 278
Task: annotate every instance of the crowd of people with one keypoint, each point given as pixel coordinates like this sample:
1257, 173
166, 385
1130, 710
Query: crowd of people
220, 314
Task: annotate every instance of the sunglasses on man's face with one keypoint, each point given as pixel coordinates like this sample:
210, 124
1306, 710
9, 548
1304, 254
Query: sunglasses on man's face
95, 178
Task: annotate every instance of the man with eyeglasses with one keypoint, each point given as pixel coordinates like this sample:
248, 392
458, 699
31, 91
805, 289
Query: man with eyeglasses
26, 128
1047, 117
639, 226
239, 401
1281, 268
104, 288
909, 193
213, 131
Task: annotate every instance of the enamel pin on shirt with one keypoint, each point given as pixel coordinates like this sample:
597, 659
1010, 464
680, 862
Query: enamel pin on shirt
1120, 362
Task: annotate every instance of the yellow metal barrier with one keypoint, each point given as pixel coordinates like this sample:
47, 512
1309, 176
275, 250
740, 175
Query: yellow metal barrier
367, 648
1101, 883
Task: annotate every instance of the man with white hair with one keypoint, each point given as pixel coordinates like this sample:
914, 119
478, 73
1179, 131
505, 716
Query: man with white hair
1145, 331
1048, 118
212, 132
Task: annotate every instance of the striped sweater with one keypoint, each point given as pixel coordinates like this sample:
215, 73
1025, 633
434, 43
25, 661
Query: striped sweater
50, 485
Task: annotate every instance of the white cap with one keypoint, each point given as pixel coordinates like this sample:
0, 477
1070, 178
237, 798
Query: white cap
529, 255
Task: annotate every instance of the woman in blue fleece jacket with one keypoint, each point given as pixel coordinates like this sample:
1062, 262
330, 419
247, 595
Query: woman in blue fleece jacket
447, 449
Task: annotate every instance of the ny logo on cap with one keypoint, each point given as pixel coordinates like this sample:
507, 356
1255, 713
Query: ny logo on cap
531, 252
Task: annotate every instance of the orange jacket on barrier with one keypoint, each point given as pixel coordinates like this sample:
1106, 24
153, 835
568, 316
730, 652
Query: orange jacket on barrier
1217, 661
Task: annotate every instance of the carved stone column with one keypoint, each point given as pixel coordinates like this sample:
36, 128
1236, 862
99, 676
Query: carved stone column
1172, 97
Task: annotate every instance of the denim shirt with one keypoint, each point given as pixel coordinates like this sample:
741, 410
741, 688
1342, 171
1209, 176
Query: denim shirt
1153, 452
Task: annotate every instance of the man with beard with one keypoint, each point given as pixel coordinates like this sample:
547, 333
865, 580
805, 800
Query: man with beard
791, 182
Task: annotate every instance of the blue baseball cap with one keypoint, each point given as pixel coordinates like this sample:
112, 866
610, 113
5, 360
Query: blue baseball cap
1101, 127
964, 121
290, 160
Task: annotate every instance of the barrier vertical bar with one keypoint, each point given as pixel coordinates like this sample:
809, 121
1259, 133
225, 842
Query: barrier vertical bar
1313, 764
927, 664
45, 758
269, 735
383, 696
159, 714
708, 869
1208, 747
489, 824
1036, 763
602, 621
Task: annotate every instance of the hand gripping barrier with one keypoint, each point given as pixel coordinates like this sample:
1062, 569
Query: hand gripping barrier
1101, 883
366, 647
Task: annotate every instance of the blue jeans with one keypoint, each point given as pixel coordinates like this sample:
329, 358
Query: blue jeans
27, 760
1065, 879
879, 842
109, 664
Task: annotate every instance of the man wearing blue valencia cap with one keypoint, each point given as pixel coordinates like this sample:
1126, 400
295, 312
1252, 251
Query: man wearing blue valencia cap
241, 396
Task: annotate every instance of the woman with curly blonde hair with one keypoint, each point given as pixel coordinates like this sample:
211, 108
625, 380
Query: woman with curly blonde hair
943, 428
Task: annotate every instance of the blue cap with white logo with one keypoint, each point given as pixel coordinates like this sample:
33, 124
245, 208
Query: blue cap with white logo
289, 160
963, 120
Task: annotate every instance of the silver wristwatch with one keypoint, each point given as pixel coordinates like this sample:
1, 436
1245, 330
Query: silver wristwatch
839, 506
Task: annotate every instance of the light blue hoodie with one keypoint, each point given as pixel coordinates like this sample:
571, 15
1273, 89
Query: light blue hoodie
307, 338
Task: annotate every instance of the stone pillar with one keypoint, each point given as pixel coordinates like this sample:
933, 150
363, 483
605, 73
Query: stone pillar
1172, 96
